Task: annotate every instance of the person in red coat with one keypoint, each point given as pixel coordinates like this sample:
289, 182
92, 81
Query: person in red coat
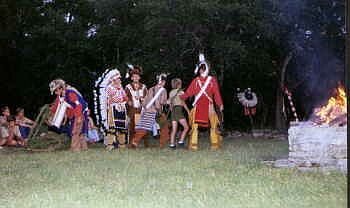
205, 88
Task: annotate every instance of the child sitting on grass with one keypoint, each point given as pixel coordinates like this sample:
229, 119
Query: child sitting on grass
13, 135
92, 136
24, 123
5, 112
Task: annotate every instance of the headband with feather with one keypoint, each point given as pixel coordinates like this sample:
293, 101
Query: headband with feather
133, 70
161, 77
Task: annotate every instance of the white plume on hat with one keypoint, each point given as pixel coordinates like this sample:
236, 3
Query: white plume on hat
202, 61
131, 67
201, 57
161, 77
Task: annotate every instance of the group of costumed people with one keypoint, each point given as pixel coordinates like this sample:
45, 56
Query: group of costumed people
127, 115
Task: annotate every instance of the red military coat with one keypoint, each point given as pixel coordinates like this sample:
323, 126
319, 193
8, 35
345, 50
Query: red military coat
212, 94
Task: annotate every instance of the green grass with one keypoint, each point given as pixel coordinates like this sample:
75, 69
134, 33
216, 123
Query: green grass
230, 177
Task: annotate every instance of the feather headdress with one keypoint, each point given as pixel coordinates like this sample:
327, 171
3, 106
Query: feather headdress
100, 96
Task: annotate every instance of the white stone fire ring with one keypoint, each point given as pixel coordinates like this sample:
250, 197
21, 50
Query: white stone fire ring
316, 147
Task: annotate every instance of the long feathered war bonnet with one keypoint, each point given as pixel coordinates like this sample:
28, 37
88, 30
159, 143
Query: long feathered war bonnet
100, 96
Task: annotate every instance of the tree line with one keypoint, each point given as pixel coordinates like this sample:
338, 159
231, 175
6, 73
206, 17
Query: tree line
246, 43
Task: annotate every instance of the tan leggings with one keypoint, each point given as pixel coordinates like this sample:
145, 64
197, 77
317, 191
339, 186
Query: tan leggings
215, 137
78, 139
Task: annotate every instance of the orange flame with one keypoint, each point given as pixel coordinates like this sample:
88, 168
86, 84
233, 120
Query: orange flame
336, 106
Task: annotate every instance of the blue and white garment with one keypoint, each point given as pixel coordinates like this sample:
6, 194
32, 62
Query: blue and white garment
146, 121
84, 104
92, 136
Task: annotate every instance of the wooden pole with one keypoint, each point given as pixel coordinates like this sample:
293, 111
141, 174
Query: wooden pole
279, 117
40, 119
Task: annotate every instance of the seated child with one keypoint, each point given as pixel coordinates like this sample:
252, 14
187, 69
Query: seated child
24, 123
92, 136
13, 136
5, 112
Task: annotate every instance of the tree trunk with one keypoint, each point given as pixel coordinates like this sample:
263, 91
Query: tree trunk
280, 120
264, 110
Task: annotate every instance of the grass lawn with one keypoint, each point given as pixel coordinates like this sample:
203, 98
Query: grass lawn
230, 177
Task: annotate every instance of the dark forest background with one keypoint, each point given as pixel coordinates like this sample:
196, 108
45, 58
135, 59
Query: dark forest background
261, 44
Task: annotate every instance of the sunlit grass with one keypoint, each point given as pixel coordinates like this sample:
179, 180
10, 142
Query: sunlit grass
231, 177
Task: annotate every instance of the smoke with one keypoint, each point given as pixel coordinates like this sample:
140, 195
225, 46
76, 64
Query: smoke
316, 37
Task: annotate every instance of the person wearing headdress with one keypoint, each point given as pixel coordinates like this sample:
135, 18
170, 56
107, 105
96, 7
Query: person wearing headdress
152, 110
76, 112
116, 112
205, 88
249, 100
136, 92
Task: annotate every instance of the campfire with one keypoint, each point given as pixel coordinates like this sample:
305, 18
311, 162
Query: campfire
321, 142
334, 112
